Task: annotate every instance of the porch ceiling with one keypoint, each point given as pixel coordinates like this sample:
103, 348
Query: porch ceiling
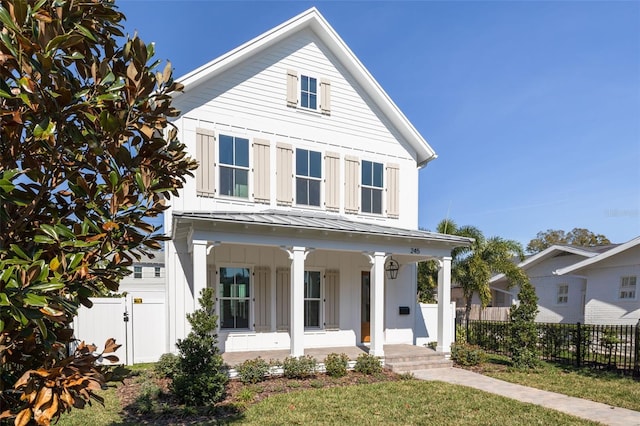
315, 222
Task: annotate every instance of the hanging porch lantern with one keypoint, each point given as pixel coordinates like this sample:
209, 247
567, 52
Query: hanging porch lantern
391, 269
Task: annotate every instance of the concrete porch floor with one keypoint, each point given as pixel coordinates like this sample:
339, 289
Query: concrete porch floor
390, 351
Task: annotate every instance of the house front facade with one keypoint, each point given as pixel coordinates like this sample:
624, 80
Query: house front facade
303, 213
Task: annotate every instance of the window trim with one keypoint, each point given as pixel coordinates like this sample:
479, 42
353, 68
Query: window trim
320, 301
372, 188
562, 298
234, 167
302, 74
622, 289
308, 177
220, 298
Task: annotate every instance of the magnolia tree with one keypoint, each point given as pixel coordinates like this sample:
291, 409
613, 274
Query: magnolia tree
88, 159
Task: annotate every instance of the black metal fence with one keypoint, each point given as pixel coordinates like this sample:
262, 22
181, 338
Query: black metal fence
604, 347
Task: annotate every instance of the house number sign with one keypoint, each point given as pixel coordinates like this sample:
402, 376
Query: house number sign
415, 250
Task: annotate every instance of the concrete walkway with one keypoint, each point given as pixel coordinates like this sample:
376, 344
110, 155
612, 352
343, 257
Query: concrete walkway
583, 408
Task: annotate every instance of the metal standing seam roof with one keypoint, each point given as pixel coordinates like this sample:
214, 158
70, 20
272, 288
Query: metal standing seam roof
321, 222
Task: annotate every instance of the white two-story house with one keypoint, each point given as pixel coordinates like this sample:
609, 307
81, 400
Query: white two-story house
303, 214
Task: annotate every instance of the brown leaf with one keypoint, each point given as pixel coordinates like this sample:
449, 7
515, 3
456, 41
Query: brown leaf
23, 417
110, 345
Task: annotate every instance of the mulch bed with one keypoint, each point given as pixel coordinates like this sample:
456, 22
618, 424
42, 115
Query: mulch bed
165, 408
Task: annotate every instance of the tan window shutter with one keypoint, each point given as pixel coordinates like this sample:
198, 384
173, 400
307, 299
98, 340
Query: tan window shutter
393, 190
261, 171
292, 88
205, 154
332, 181
351, 184
284, 174
325, 97
262, 298
332, 299
283, 281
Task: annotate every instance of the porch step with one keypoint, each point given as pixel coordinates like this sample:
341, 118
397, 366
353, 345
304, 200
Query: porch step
404, 363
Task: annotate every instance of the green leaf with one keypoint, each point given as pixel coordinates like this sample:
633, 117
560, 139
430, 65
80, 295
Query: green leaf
76, 258
4, 300
46, 287
17, 250
49, 230
85, 32
35, 299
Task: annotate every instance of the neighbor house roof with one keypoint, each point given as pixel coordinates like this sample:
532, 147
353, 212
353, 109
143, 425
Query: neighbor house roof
600, 257
549, 253
314, 21
321, 222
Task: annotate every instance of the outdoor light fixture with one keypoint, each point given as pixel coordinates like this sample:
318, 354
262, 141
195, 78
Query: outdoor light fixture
391, 268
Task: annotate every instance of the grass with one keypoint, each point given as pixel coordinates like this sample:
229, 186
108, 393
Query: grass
96, 414
600, 386
401, 402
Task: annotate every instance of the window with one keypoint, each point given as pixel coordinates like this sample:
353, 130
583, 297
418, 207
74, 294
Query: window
137, 272
312, 298
308, 176
234, 166
156, 272
308, 92
563, 294
234, 297
628, 288
372, 183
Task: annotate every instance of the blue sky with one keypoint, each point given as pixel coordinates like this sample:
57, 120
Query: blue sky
532, 107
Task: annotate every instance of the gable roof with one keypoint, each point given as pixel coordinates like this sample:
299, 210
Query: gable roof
313, 20
548, 253
600, 257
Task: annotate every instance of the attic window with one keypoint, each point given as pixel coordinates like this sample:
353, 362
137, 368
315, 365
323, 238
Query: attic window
308, 92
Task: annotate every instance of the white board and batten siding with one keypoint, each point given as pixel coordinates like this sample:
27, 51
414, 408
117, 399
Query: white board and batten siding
250, 101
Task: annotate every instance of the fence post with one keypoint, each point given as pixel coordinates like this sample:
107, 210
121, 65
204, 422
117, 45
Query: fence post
636, 351
578, 345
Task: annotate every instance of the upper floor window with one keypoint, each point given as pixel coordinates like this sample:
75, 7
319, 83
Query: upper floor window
563, 294
234, 166
312, 298
628, 288
372, 183
308, 92
234, 297
137, 272
156, 272
308, 177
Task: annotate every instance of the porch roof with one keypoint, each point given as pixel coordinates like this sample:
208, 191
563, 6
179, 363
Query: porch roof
321, 222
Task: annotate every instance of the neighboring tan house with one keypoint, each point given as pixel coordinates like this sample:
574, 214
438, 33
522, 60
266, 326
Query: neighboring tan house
591, 285
611, 280
304, 203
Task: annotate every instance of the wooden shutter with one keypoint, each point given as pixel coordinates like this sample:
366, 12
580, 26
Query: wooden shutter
393, 190
351, 184
284, 174
325, 97
205, 154
283, 281
262, 298
261, 171
332, 181
332, 299
292, 88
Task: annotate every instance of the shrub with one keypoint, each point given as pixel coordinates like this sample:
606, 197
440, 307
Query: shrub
336, 364
299, 368
466, 354
368, 364
167, 365
253, 370
202, 376
524, 332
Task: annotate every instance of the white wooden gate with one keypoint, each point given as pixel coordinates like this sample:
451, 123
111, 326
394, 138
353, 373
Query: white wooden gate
138, 324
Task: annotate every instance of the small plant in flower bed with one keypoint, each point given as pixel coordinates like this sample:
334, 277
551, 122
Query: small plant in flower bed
467, 355
253, 370
368, 364
336, 364
167, 365
299, 368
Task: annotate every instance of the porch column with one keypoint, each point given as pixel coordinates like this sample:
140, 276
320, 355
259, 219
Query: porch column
199, 256
445, 317
296, 322
377, 303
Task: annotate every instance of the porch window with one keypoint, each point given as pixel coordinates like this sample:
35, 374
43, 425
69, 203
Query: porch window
234, 297
372, 183
563, 294
308, 176
234, 166
628, 288
312, 298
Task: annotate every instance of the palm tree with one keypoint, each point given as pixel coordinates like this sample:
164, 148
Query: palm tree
473, 266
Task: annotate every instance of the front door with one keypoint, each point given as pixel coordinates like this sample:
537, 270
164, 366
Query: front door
365, 306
